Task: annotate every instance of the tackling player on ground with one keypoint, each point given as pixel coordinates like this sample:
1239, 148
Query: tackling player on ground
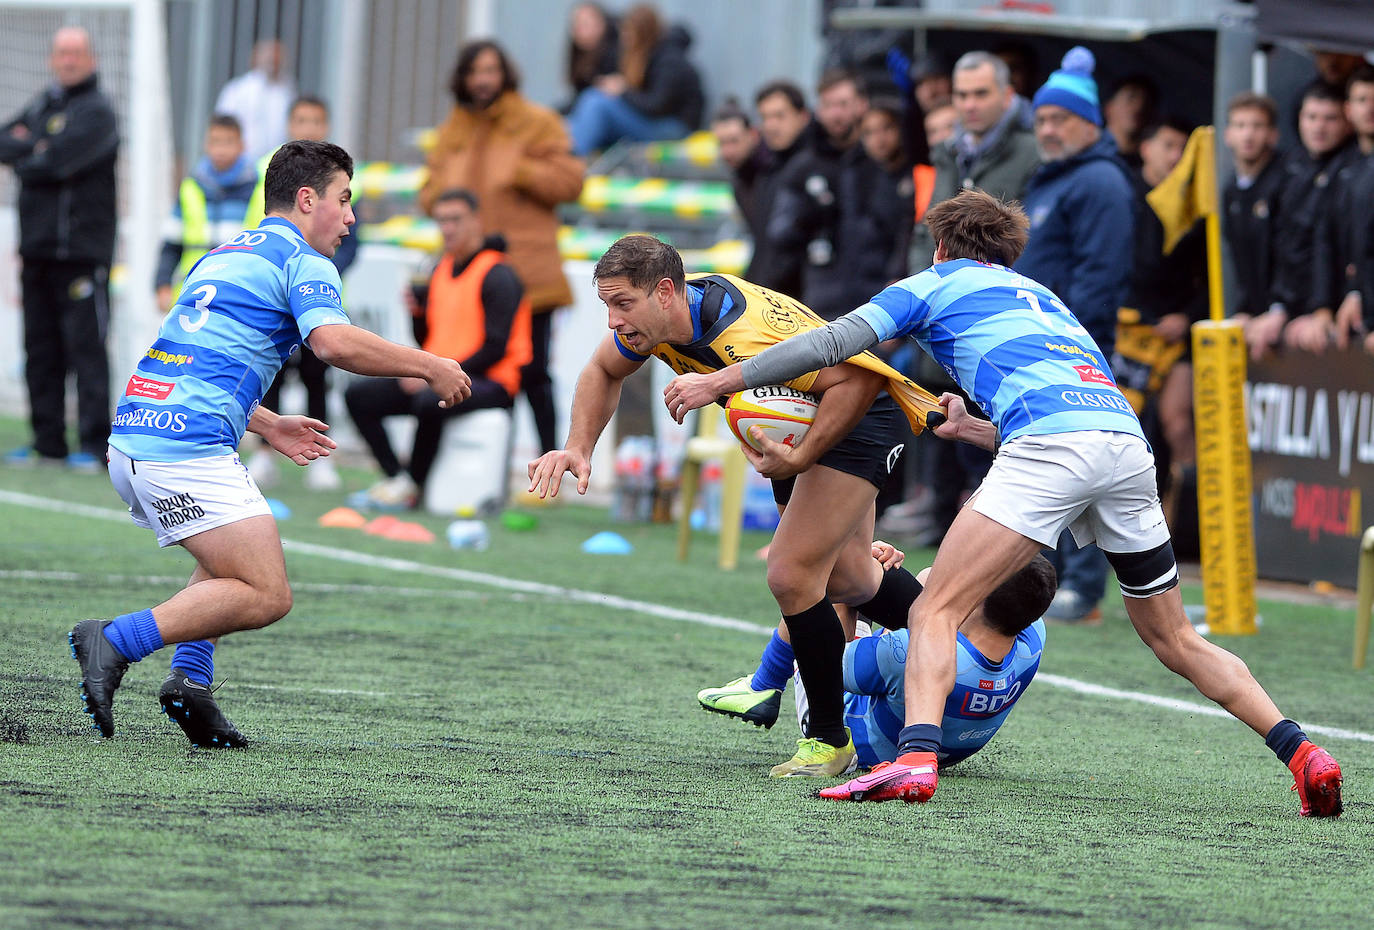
1000, 645
821, 551
1070, 453
245, 307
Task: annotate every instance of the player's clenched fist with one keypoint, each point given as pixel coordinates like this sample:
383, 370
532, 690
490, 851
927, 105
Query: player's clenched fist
450, 382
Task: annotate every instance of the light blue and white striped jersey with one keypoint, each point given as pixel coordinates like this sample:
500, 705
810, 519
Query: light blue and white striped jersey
984, 693
1010, 343
245, 307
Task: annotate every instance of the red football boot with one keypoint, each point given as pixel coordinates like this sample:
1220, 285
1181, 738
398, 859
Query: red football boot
912, 778
1317, 780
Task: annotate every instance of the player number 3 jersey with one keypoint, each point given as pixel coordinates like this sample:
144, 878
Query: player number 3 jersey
245, 307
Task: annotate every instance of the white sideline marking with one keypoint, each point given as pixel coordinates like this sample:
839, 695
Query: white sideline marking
317, 587
1187, 707
643, 607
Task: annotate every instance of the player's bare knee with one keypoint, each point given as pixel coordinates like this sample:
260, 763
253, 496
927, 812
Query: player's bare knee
1145, 574
273, 602
791, 583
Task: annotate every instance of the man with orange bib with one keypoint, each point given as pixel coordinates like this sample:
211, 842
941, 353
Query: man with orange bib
474, 310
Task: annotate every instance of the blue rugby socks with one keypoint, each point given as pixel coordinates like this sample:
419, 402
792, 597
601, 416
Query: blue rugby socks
775, 665
197, 660
134, 635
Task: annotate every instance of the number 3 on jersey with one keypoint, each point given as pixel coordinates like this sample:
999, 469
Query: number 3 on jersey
204, 294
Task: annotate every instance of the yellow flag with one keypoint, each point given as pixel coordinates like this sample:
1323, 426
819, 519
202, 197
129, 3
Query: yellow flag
1189, 193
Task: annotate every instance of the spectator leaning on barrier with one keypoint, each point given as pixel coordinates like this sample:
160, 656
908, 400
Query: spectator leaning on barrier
836, 206
788, 131
516, 156
473, 311
1082, 215
1250, 199
62, 148
1341, 234
212, 202
656, 94
1304, 199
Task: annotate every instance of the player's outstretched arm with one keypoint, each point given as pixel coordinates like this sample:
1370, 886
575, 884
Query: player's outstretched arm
690, 391
301, 439
354, 349
810, 351
594, 401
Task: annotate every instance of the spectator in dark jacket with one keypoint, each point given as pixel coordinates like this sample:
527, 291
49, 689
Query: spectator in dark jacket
1082, 214
1340, 240
1304, 199
838, 208
744, 153
62, 148
787, 130
880, 132
655, 95
1250, 199
593, 48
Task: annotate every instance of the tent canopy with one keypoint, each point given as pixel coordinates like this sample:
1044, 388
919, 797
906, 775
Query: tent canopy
1333, 25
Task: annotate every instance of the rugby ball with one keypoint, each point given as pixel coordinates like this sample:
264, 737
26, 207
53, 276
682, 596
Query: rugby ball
784, 414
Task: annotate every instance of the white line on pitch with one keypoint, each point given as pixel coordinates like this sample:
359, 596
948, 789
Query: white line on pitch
643, 607
315, 587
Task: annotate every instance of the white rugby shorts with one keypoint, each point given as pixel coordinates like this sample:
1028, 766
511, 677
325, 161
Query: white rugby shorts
1099, 485
180, 499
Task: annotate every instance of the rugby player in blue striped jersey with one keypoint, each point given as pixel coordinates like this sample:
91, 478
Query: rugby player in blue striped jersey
1069, 454
244, 309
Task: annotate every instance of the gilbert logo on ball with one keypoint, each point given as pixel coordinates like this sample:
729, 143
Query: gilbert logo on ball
782, 413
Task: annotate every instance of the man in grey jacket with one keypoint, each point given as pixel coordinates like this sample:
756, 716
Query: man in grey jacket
990, 150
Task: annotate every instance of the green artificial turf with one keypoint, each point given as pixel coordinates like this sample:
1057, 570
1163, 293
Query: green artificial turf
431, 749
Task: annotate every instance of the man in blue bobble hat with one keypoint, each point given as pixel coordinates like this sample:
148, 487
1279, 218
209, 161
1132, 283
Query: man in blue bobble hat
1081, 210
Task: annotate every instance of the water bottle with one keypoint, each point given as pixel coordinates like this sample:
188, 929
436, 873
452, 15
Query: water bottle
712, 475
468, 534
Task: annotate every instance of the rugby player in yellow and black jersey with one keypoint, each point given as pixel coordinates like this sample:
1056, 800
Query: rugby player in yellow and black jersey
822, 550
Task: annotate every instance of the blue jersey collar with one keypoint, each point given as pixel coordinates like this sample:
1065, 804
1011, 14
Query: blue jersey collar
280, 221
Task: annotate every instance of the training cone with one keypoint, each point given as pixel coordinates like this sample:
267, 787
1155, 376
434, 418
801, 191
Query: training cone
345, 518
608, 543
381, 525
279, 510
404, 531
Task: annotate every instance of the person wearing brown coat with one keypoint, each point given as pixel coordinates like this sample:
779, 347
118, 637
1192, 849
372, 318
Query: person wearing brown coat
517, 157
